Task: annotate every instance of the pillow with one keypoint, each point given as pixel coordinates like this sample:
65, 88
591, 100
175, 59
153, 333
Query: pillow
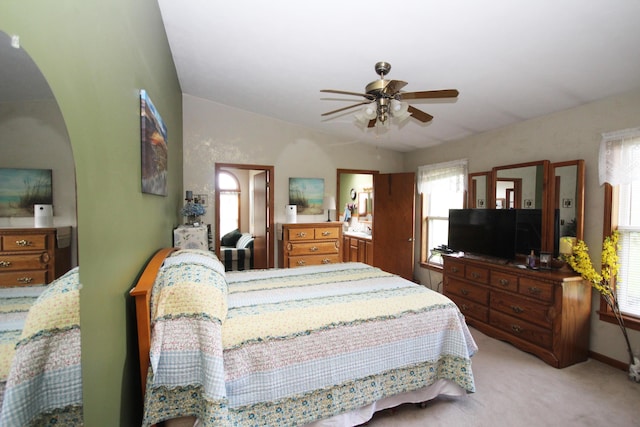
231, 238
244, 240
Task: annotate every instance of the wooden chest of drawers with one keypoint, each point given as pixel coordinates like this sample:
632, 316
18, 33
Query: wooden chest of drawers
542, 312
30, 256
310, 244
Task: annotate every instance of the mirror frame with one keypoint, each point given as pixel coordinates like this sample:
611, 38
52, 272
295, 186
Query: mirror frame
579, 202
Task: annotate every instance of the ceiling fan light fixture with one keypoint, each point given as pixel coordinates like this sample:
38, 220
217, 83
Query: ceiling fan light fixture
370, 111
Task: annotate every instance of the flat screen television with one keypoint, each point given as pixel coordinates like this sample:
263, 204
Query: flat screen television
487, 232
528, 231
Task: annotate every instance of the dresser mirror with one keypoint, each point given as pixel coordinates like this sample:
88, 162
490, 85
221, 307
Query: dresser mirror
557, 189
478, 192
567, 200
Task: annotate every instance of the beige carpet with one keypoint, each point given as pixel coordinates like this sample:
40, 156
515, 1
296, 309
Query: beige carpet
514, 388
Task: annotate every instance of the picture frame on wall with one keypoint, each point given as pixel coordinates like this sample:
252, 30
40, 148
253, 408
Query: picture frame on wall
23, 188
307, 194
154, 150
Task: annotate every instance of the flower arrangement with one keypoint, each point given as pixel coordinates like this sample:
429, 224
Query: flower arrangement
192, 210
580, 262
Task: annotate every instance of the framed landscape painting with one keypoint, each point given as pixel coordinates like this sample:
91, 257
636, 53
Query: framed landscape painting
153, 148
307, 194
20, 189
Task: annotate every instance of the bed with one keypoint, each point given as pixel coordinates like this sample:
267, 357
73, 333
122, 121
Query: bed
317, 345
236, 251
40, 354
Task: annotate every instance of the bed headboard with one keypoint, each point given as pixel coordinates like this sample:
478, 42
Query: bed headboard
142, 295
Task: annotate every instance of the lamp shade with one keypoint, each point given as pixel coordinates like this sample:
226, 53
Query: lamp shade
329, 202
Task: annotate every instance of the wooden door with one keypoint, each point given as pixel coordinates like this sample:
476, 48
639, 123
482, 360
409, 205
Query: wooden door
260, 213
394, 222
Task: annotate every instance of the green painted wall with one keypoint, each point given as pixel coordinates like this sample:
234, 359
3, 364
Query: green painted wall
96, 56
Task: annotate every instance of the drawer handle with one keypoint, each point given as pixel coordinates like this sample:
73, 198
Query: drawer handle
313, 249
504, 282
301, 234
517, 309
25, 279
5, 263
534, 290
454, 269
326, 261
464, 291
464, 307
301, 262
475, 275
326, 233
516, 328
24, 242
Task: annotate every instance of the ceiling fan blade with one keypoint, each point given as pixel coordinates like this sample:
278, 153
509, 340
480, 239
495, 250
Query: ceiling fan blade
419, 114
445, 93
393, 87
342, 92
346, 108
372, 123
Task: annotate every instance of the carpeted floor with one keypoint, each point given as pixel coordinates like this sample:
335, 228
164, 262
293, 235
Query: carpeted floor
514, 388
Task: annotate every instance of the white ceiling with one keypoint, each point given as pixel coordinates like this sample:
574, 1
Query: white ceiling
510, 60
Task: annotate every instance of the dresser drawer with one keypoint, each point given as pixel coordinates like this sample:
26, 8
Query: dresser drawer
301, 233
300, 248
24, 262
470, 308
24, 278
522, 308
24, 242
301, 261
520, 328
466, 290
326, 233
504, 281
454, 268
535, 289
477, 274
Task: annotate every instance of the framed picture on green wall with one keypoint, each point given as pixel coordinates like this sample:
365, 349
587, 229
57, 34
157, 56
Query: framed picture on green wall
154, 150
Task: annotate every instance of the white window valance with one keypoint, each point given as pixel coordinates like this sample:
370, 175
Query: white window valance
451, 175
619, 159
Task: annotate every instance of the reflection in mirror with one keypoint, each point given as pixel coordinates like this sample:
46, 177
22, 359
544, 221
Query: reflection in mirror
478, 196
33, 135
361, 181
567, 200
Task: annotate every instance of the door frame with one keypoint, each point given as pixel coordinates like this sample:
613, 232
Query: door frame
270, 203
349, 171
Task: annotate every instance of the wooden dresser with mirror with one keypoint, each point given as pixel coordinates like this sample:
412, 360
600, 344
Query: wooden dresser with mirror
544, 312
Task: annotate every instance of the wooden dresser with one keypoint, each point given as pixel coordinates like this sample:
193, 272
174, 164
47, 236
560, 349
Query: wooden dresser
310, 244
30, 256
543, 312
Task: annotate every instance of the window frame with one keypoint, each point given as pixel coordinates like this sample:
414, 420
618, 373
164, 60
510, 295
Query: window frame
237, 193
611, 203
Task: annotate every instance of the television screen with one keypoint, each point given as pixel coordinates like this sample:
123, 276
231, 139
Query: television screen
528, 231
488, 232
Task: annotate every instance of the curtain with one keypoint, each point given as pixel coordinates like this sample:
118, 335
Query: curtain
619, 158
452, 174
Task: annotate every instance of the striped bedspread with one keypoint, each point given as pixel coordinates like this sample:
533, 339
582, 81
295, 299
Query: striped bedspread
293, 346
44, 386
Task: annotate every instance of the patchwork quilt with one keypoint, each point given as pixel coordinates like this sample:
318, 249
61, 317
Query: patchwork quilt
44, 386
287, 347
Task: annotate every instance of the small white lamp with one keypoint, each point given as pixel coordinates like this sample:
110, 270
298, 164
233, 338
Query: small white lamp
328, 203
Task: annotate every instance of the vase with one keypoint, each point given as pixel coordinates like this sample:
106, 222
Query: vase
192, 220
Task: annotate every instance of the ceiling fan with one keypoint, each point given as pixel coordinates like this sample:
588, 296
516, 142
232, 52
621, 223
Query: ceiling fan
383, 99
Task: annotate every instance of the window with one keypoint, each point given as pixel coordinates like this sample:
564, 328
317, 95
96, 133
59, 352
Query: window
229, 188
619, 168
442, 187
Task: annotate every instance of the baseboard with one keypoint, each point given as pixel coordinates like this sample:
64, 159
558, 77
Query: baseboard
608, 361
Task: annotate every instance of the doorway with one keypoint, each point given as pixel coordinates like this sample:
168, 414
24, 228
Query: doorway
257, 216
